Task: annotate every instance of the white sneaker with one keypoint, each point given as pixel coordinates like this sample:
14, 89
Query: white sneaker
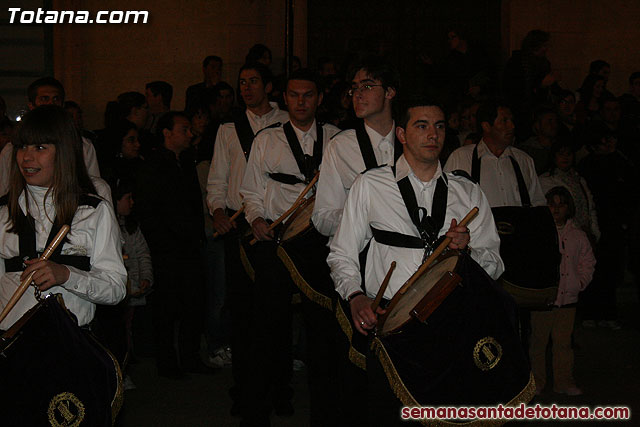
221, 357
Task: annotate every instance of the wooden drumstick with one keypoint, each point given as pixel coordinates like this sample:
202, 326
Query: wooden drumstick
472, 213
293, 207
27, 281
383, 287
233, 218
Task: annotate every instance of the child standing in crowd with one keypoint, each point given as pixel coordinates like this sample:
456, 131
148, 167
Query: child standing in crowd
576, 271
137, 258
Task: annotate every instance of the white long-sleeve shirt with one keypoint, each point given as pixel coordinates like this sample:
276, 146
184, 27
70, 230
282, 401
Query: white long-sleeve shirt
88, 152
375, 201
94, 233
341, 165
264, 197
497, 177
228, 163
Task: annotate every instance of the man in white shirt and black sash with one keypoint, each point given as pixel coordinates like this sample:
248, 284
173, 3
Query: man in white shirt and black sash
403, 212
283, 160
508, 177
232, 147
374, 86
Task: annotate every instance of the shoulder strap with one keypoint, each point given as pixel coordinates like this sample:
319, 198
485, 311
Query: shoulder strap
366, 148
88, 200
522, 186
244, 132
475, 165
296, 149
4, 200
428, 225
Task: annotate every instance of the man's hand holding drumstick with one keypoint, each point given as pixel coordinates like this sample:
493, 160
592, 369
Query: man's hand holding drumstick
362, 312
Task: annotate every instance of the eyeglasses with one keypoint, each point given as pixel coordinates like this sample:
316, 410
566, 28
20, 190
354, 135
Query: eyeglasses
361, 89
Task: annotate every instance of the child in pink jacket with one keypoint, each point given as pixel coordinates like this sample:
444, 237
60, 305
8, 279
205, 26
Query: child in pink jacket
576, 271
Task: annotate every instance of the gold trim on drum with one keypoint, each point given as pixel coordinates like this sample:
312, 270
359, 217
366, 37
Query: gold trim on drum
302, 284
68, 407
537, 299
487, 353
357, 358
247, 264
407, 399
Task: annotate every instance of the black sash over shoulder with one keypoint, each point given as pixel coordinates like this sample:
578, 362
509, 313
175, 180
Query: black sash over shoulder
244, 132
308, 165
27, 244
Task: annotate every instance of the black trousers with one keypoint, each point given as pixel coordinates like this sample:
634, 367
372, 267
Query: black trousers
178, 299
239, 296
271, 364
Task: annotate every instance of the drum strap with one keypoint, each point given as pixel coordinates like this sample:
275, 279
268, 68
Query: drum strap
522, 186
308, 165
428, 226
27, 245
244, 132
366, 149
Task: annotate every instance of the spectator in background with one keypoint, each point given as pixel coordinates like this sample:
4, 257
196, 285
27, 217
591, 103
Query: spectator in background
566, 108
591, 93
122, 140
212, 72
563, 173
528, 79
600, 67
545, 129
6, 132
169, 207
158, 95
613, 181
259, 53
466, 67
630, 101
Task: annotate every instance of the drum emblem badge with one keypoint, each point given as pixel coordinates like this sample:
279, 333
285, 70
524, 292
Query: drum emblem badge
65, 410
487, 353
505, 228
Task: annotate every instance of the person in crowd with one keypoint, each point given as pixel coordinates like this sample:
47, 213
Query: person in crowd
259, 53
576, 272
374, 85
565, 104
611, 178
49, 91
545, 135
76, 114
529, 79
466, 67
6, 132
49, 183
630, 101
158, 95
123, 140
169, 207
376, 203
497, 175
283, 160
591, 93
137, 260
212, 75
563, 173
231, 151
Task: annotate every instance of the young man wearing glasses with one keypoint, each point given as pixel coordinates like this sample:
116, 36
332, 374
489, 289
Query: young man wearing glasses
374, 84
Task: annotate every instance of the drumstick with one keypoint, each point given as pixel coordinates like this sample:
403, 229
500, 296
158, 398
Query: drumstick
293, 207
233, 218
27, 281
472, 213
383, 287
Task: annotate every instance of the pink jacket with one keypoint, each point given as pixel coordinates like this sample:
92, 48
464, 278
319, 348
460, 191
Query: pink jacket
577, 265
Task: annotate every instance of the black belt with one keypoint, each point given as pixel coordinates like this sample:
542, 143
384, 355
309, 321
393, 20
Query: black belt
286, 178
391, 238
78, 261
